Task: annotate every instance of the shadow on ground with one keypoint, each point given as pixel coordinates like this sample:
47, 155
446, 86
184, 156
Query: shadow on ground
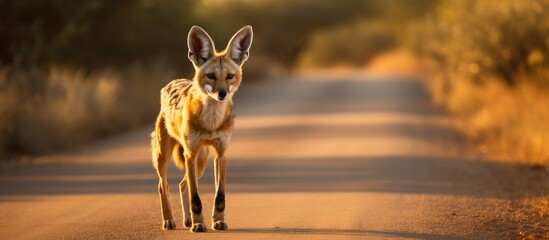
389, 174
342, 232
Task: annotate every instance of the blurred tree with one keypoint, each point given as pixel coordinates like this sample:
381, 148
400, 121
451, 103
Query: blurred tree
39, 30
91, 32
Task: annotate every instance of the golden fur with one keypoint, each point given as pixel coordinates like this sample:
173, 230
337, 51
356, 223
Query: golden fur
194, 115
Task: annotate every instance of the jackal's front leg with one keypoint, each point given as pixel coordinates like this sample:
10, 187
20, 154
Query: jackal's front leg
218, 215
192, 181
202, 161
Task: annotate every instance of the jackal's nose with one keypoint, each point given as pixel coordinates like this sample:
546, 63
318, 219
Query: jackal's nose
222, 94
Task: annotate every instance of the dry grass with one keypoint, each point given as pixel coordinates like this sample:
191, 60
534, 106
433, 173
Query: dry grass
46, 109
508, 122
489, 65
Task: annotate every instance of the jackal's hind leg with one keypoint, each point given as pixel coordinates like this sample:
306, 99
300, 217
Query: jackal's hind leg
162, 146
180, 158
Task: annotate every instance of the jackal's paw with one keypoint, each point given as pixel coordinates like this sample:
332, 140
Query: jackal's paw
187, 223
220, 225
199, 227
168, 225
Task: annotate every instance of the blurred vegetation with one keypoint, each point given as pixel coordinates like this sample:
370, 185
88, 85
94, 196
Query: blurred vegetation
92, 32
489, 62
287, 31
351, 45
71, 71
70, 106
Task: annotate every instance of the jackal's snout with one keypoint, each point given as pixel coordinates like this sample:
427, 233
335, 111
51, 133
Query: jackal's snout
222, 94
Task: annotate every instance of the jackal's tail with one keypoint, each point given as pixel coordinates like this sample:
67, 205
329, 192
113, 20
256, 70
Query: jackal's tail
162, 145
155, 149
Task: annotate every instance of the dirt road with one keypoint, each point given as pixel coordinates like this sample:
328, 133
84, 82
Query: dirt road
348, 157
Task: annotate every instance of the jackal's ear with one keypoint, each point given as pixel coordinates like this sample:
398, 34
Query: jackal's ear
239, 45
201, 46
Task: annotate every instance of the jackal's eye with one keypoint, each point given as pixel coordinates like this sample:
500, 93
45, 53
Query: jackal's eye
210, 76
230, 76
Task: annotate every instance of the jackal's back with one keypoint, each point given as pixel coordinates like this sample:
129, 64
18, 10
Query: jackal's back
172, 96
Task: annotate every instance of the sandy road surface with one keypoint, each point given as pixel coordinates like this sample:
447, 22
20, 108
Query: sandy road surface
341, 158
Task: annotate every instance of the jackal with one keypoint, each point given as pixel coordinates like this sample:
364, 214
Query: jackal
194, 115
